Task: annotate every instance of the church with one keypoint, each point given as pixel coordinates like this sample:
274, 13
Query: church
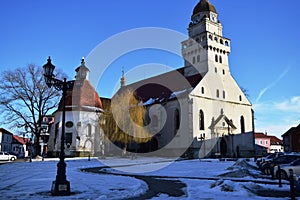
198, 110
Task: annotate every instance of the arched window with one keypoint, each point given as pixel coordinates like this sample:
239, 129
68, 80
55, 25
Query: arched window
201, 120
218, 93
88, 130
154, 120
220, 59
223, 71
216, 70
224, 94
177, 119
240, 97
242, 124
194, 60
198, 58
202, 90
226, 43
216, 58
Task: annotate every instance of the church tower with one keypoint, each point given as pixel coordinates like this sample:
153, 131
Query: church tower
206, 49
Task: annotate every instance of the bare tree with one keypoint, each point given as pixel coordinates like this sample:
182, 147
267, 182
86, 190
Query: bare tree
25, 99
245, 91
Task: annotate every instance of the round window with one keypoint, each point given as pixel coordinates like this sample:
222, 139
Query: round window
69, 124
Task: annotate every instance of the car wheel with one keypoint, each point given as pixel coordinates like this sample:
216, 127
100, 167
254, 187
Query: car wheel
267, 171
12, 159
282, 174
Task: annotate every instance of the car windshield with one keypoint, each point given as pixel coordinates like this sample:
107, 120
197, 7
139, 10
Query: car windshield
296, 162
6, 153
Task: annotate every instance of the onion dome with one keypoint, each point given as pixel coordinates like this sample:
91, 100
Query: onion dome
204, 6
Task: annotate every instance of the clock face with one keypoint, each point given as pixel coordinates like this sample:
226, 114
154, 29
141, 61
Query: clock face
213, 18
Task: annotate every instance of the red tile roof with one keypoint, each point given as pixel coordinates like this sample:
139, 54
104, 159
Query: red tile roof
82, 95
260, 135
20, 139
275, 141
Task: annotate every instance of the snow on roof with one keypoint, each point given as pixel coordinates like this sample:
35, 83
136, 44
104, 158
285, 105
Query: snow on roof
164, 87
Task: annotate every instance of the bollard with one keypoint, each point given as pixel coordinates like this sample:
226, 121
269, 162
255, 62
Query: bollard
279, 176
292, 185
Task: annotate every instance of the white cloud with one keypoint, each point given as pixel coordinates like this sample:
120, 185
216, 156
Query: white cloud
291, 105
277, 117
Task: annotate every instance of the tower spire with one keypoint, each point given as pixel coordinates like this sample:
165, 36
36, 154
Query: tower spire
123, 81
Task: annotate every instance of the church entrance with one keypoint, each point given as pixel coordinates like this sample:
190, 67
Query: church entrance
223, 146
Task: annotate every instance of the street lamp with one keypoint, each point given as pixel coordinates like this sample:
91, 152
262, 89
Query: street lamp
60, 187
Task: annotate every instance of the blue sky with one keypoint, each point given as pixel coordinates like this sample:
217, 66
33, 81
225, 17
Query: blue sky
264, 37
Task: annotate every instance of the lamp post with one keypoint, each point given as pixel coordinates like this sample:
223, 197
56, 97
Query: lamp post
60, 187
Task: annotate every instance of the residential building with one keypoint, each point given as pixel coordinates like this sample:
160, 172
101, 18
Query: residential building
20, 146
205, 111
291, 139
5, 140
265, 144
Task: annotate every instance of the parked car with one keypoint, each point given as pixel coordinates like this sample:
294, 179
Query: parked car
6, 156
284, 169
261, 161
268, 167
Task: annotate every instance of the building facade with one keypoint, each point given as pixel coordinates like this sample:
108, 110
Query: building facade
199, 107
6, 138
21, 146
265, 144
291, 139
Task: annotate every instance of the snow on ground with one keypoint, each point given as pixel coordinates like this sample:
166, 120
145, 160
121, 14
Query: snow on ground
24, 180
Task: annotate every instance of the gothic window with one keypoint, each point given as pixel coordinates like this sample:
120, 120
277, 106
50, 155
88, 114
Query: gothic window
224, 94
220, 59
201, 120
223, 72
216, 58
88, 130
216, 39
221, 41
242, 124
69, 137
202, 90
78, 127
218, 93
210, 37
198, 58
240, 97
154, 121
216, 70
226, 43
177, 119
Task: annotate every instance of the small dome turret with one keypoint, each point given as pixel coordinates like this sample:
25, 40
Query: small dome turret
204, 6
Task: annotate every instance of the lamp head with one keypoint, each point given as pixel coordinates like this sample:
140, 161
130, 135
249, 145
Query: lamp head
48, 72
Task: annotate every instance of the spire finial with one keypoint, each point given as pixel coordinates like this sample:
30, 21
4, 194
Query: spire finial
82, 60
123, 81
